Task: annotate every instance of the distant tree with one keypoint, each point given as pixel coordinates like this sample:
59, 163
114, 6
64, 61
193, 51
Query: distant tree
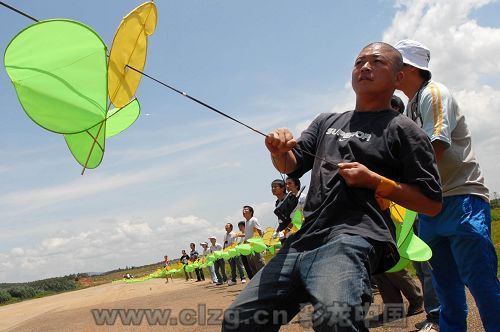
22, 292
4, 296
495, 202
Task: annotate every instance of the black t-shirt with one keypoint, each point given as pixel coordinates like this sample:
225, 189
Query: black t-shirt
387, 143
184, 259
194, 254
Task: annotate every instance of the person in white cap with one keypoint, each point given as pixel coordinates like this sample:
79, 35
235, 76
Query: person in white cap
210, 269
219, 264
359, 161
459, 236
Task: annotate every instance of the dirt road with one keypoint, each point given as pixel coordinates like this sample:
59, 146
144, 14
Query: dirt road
198, 304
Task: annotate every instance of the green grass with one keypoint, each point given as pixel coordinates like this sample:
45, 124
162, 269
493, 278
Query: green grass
495, 234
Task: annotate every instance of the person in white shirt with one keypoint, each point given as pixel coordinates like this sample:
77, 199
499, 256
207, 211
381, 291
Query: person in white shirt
219, 264
235, 262
240, 238
210, 269
253, 228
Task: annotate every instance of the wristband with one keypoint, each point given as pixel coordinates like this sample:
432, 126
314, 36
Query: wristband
384, 188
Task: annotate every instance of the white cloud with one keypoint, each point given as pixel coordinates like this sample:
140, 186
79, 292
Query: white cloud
106, 246
463, 57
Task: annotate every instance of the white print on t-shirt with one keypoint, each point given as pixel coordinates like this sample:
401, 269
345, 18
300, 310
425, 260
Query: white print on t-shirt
345, 136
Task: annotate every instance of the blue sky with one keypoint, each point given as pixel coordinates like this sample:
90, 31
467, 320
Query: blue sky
180, 172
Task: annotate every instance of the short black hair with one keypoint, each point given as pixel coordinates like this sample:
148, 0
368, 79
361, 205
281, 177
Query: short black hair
397, 104
241, 223
425, 74
396, 55
279, 182
250, 208
296, 181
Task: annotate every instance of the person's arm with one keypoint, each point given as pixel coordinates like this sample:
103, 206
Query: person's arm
259, 231
439, 147
407, 195
280, 143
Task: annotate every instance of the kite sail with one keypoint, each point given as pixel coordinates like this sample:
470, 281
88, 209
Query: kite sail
61, 74
410, 246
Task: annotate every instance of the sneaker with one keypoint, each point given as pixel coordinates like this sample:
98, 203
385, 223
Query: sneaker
244, 281
231, 283
427, 327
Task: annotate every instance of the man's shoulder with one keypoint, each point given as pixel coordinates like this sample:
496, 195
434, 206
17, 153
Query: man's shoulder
435, 90
322, 117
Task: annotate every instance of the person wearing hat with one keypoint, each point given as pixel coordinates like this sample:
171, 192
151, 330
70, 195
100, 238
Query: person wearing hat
359, 161
459, 236
219, 264
210, 268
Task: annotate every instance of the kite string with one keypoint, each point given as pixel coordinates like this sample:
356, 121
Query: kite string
185, 95
18, 11
224, 114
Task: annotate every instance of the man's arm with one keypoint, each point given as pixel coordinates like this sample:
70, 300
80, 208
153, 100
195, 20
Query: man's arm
280, 143
439, 147
407, 195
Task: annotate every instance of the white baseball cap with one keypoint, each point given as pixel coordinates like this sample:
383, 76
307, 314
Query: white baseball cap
414, 54
212, 237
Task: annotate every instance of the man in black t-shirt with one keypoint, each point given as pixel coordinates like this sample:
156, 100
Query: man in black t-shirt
359, 161
193, 256
185, 260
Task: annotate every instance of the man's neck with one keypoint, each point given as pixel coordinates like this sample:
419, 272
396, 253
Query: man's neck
374, 104
280, 197
411, 89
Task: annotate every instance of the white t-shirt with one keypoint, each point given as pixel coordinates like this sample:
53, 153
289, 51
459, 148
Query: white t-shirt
229, 238
251, 227
215, 247
300, 204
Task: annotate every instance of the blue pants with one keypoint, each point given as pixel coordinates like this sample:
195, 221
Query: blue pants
463, 254
334, 278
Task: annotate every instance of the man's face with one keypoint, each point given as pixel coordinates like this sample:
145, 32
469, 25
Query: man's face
246, 213
242, 228
192, 246
277, 190
290, 186
228, 228
374, 71
212, 241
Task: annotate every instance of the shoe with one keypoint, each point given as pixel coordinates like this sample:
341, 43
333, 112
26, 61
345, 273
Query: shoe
427, 327
219, 283
231, 283
244, 281
415, 308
